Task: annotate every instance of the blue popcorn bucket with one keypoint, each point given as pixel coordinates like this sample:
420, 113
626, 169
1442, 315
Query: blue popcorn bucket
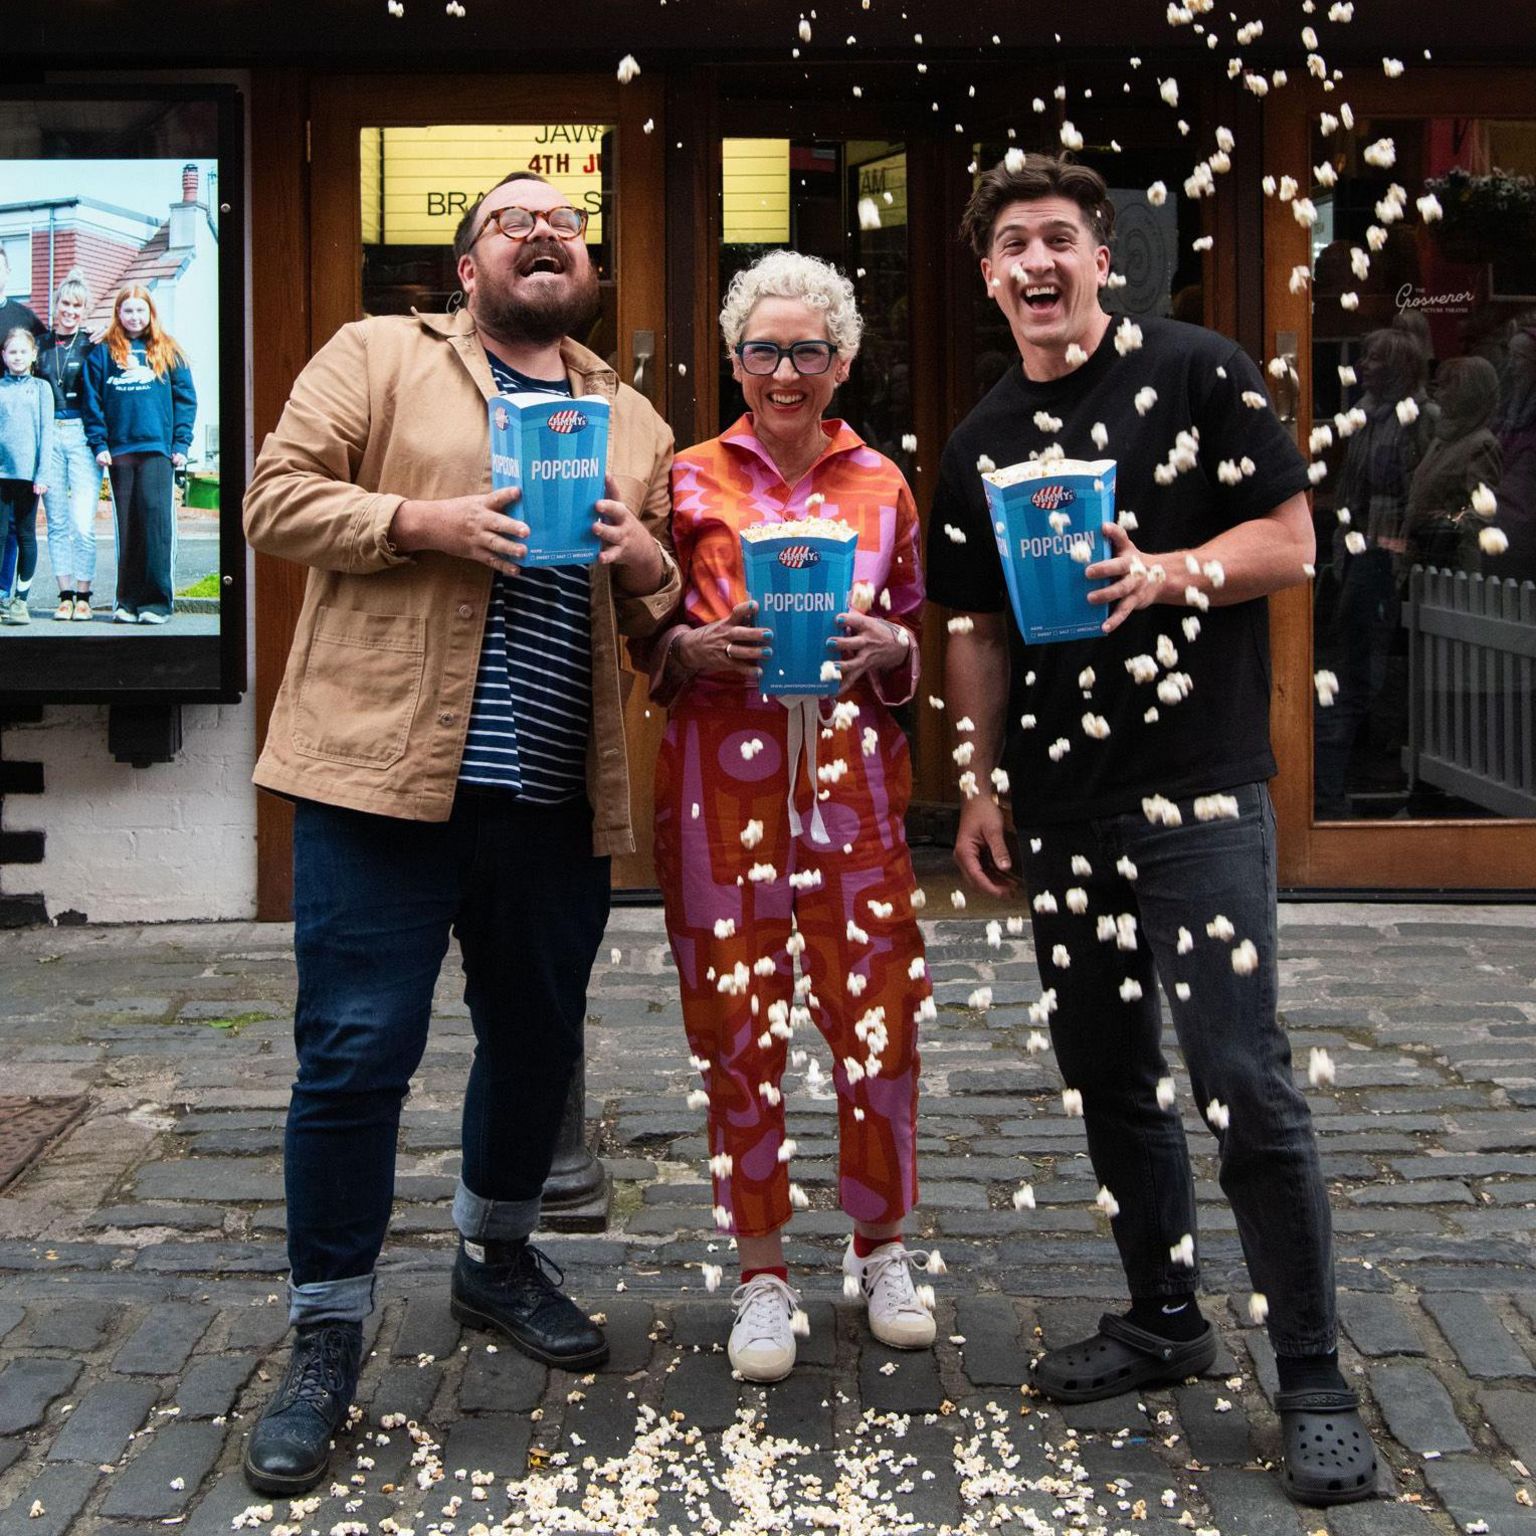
1045, 580
555, 450
801, 582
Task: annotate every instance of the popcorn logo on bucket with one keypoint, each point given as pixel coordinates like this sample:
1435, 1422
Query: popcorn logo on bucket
799, 573
1050, 498
796, 557
554, 452
565, 422
1042, 562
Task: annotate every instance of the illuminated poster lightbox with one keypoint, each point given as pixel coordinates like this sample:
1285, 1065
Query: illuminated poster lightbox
121, 396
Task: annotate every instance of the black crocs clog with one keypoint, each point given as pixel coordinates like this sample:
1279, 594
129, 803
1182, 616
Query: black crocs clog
1329, 1456
1119, 1358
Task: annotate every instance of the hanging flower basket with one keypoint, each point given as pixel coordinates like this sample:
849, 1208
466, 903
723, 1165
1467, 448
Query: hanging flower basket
1482, 217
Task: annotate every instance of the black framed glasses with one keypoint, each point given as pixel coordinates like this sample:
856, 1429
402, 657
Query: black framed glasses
519, 223
762, 357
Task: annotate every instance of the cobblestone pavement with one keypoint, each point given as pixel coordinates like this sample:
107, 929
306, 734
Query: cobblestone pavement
141, 1263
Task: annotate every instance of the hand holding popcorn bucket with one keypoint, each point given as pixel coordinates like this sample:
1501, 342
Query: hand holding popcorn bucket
800, 575
555, 450
1048, 520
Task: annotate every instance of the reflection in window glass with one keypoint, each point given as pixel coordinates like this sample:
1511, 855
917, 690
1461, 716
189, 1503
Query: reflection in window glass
1424, 409
418, 182
806, 195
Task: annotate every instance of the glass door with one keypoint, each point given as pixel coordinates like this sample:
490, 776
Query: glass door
395, 164
1414, 391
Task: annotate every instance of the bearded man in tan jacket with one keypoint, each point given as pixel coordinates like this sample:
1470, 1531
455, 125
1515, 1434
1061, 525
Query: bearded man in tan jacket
450, 730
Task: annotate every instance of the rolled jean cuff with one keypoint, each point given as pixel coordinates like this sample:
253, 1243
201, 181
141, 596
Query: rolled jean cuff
496, 1221
330, 1301
1304, 1349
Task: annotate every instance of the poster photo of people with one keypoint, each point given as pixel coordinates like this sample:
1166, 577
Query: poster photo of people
108, 324
112, 523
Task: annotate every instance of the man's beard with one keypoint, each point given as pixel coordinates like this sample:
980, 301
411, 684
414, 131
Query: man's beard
541, 313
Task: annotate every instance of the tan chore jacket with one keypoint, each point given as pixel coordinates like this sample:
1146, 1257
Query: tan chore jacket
374, 706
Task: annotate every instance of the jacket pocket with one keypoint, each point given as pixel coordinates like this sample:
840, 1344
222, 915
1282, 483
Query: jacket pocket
362, 680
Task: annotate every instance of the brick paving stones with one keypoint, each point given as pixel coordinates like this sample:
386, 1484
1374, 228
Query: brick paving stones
1479, 1497
60, 1492
28, 1386
1250, 1503
103, 1421
1483, 1344
1418, 1409
167, 1292
160, 1345
208, 1387
146, 1489
1379, 1325
1513, 1417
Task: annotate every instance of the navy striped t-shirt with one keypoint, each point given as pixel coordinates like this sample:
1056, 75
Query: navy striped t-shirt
532, 709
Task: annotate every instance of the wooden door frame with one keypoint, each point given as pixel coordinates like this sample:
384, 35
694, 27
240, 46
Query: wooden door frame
1393, 855
308, 282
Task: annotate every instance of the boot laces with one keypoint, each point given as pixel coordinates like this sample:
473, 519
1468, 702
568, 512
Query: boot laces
323, 1372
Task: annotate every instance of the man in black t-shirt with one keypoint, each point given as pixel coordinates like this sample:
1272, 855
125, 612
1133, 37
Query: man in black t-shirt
13, 312
1137, 762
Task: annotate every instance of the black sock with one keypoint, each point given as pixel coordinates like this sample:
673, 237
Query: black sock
1310, 1373
1168, 1316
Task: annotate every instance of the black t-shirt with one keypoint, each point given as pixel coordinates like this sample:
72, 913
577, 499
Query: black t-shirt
61, 360
1217, 735
14, 313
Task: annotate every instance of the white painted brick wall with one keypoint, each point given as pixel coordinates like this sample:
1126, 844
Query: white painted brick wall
170, 843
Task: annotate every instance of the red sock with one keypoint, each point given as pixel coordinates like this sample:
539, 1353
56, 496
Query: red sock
778, 1271
864, 1246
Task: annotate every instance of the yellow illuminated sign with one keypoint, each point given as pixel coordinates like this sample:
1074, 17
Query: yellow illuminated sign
417, 183
885, 181
754, 184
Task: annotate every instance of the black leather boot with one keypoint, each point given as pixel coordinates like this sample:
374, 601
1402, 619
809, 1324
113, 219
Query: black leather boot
290, 1447
515, 1292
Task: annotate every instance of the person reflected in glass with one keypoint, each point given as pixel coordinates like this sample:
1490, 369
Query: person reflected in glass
780, 823
138, 403
1357, 638
26, 446
74, 480
1441, 527
1516, 429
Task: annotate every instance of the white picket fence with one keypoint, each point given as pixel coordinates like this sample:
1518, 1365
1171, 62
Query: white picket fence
1472, 688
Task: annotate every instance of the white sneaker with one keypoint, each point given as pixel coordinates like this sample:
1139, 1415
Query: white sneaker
897, 1315
149, 616
124, 616
762, 1345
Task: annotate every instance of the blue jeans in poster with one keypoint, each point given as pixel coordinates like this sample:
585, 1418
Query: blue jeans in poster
1109, 1047
375, 902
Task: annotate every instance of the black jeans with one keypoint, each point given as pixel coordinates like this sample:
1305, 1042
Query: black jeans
375, 900
1108, 1045
145, 517
18, 516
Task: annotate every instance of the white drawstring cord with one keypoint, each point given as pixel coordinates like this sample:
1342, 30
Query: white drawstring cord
804, 729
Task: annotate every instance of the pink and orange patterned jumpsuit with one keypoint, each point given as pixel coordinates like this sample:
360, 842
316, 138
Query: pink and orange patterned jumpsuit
851, 896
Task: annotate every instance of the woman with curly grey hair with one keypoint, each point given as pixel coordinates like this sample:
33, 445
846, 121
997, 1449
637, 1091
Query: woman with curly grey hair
761, 860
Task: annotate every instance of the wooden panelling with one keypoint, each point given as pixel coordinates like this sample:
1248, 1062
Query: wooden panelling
280, 321
1397, 854
642, 239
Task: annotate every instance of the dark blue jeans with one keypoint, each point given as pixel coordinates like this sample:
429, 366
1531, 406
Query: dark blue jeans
375, 901
1110, 1048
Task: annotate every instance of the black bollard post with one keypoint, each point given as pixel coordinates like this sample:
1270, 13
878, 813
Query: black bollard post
577, 1191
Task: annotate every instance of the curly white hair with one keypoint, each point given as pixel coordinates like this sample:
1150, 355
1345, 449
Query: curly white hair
791, 275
